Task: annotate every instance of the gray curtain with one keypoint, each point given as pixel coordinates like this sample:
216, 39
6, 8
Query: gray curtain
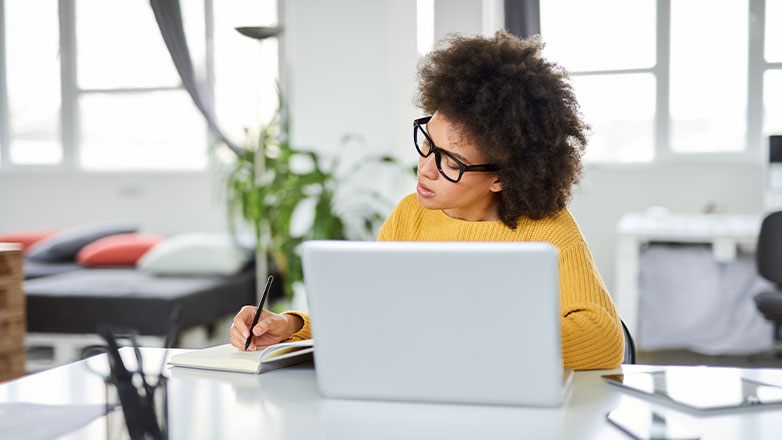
522, 17
169, 19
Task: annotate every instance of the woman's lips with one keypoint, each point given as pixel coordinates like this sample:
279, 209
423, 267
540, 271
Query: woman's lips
423, 191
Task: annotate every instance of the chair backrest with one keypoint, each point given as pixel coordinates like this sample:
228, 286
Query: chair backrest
629, 357
769, 249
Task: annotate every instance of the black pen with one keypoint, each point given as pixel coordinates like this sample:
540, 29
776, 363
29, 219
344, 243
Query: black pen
258, 312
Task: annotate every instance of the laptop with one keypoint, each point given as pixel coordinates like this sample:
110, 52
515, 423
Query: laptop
462, 322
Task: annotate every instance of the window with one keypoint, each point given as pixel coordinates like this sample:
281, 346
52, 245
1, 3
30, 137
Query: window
668, 78
90, 83
772, 75
708, 75
32, 75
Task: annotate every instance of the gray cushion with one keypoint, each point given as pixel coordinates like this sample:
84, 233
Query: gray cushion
37, 269
65, 245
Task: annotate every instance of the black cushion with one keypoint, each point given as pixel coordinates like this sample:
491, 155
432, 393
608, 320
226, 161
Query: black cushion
79, 301
770, 305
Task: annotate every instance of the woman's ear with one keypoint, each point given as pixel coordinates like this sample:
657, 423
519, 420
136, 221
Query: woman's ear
496, 186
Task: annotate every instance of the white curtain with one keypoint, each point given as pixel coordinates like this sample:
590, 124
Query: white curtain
689, 301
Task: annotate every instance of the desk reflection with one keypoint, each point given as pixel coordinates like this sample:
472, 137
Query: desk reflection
284, 405
348, 419
212, 404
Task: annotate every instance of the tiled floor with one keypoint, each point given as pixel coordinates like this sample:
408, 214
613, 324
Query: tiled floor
770, 359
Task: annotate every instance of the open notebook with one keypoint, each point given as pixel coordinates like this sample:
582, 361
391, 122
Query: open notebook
229, 358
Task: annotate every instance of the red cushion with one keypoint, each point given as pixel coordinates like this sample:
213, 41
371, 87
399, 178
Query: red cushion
117, 250
26, 238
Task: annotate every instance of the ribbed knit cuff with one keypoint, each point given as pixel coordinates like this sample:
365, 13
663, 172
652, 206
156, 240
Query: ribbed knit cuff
306, 331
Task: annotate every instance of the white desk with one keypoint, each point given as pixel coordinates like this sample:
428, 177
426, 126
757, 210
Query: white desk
285, 404
726, 234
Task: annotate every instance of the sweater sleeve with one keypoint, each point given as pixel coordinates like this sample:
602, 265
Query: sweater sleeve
592, 336
306, 330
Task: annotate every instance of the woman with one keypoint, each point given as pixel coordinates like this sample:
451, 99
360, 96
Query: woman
497, 162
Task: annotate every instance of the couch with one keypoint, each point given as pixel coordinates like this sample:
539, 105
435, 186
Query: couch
70, 293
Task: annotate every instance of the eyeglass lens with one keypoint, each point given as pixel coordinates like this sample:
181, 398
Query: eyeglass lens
447, 165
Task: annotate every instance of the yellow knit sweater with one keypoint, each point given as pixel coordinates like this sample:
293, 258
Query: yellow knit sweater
592, 334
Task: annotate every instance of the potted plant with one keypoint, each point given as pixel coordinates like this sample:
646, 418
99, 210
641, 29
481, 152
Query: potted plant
267, 187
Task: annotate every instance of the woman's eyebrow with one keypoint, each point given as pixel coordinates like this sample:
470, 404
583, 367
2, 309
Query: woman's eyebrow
456, 155
453, 143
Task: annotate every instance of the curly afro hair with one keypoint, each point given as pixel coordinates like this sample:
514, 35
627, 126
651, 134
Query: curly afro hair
518, 109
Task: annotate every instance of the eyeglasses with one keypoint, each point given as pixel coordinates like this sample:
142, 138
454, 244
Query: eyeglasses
450, 167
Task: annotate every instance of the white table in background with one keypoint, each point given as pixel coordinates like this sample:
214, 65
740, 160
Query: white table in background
285, 404
726, 234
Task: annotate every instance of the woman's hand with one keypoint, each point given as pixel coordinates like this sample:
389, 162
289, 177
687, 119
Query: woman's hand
271, 328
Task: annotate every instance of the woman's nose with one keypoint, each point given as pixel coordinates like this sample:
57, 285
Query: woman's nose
427, 167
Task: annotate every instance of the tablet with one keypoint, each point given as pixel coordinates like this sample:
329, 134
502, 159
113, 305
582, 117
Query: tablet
700, 388
643, 423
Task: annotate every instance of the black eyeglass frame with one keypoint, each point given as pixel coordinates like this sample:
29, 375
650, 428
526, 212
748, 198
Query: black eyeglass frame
463, 168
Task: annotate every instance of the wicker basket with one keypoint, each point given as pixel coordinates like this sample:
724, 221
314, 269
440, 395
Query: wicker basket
12, 312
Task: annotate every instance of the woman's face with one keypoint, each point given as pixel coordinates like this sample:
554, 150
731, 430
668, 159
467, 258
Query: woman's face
475, 197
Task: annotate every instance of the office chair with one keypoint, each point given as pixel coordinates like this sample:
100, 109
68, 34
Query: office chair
769, 264
629, 357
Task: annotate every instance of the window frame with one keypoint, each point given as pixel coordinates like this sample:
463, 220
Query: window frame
756, 68
71, 93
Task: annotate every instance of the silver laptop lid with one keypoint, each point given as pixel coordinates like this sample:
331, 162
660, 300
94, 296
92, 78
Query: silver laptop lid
473, 322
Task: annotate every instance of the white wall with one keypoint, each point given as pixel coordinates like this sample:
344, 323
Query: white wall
160, 203
351, 68
463, 16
